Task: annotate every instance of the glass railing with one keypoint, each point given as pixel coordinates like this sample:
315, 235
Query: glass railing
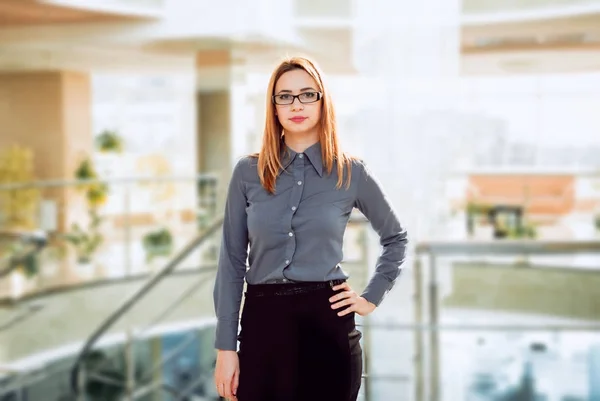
100, 230
485, 362
506, 320
152, 345
525, 362
486, 320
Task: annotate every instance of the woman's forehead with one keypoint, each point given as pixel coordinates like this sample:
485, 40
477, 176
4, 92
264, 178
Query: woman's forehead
295, 80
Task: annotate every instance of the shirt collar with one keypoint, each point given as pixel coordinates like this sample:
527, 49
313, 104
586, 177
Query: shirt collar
313, 154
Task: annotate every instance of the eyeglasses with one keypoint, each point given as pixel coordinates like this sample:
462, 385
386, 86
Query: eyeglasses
304, 97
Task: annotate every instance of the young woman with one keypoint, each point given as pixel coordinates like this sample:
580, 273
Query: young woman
286, 213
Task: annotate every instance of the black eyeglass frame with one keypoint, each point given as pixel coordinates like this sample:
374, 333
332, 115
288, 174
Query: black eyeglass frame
294, 97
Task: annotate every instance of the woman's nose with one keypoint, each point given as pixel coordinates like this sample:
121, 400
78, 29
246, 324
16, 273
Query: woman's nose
296, 105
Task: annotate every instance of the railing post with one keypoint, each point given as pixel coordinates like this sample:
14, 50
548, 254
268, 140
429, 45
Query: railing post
434, 357
129, 365
418, 332
127, 227
81, 383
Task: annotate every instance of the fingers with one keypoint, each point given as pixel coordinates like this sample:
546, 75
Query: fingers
226, 374
343, 286
223, 386
235, 382
227, 391
220, 389
348, 310
351, 299
345, 298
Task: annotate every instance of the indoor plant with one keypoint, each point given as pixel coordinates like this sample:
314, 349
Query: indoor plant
109, 141
18, 207
158, 243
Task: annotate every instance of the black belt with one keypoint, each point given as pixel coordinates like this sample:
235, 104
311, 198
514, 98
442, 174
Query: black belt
294, 288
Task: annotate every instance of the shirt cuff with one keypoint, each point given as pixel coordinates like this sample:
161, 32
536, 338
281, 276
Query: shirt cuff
378, 287
226, 335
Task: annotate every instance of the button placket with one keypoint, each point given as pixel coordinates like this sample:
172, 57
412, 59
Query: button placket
295, 196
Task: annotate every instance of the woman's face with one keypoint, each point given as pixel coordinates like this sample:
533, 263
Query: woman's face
297, 117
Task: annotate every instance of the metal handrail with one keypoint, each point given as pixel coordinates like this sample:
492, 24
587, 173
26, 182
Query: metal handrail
435, 249
507, 247
137, 296
119, 180
139, 334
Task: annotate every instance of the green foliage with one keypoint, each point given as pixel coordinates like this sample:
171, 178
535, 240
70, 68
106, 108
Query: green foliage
109, 141
86, 170
527, 230
18, 207
478, 208
86, 242
21, 257
158, 243
96, 192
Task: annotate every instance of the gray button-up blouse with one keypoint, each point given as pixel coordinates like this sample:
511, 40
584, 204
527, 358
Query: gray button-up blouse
296, 234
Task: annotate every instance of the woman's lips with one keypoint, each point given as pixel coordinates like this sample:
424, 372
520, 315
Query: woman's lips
298, 119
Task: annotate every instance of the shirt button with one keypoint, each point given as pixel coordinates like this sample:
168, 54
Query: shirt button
301, 156
291, 234
284, 280
294, 208
299, 182
287, 262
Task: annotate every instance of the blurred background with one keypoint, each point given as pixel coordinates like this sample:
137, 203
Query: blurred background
120, 122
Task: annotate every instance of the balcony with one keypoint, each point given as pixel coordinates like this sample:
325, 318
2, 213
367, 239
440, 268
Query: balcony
527, 37
494, 6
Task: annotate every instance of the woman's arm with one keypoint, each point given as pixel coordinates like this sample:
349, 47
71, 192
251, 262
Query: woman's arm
375, 205
231, 268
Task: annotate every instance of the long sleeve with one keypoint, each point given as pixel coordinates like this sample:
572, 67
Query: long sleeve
375, 205
231, 268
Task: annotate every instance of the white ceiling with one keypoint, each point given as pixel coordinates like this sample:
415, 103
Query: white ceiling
557, 36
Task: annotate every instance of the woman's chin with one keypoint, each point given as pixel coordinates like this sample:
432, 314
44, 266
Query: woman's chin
300, 131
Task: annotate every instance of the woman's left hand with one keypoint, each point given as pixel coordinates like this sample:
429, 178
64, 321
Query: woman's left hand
351, 299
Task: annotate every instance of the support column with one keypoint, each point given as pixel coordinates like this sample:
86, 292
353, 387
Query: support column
50, 114
214, 113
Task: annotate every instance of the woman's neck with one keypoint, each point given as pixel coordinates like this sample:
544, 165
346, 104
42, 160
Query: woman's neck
299, 143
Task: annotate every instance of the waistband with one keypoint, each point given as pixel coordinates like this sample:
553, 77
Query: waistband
295, 288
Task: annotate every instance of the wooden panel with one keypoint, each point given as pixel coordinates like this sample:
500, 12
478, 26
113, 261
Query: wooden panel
558, 292
213, 58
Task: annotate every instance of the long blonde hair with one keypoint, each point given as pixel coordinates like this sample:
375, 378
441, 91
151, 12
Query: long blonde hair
269, 158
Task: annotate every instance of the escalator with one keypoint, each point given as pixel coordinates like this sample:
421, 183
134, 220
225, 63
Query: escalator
106, 373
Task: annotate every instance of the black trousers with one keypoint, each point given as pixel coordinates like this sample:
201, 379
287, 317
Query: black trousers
294, 347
